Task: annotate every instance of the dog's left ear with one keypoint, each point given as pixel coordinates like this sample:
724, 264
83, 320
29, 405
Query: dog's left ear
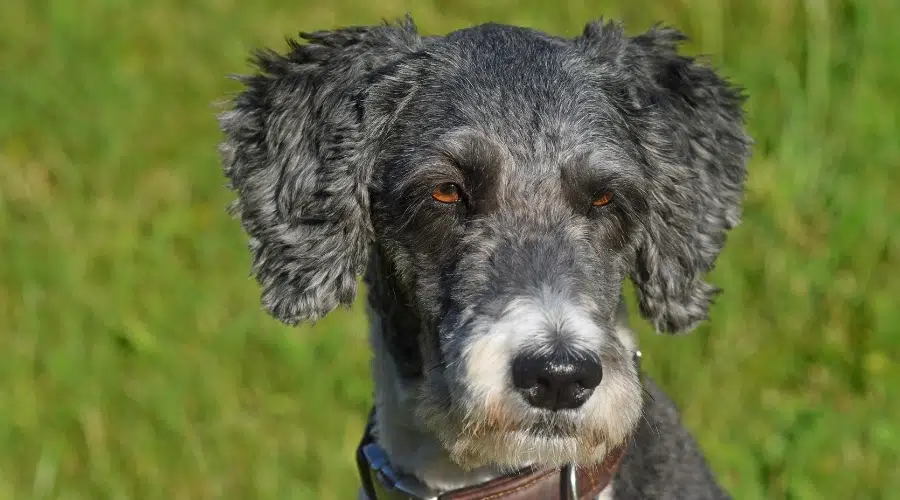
689, 122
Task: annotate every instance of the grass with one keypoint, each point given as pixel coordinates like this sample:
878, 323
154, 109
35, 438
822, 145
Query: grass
136, 362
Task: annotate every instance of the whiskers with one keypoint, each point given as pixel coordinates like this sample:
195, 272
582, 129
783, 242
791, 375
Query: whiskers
440, 364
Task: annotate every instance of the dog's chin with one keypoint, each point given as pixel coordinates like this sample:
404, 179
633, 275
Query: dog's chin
514, 450
541, 444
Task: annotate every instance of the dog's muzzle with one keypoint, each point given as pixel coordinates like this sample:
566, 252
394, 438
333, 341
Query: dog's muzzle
381, 481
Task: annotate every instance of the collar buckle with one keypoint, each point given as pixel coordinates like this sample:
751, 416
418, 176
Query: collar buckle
569, 483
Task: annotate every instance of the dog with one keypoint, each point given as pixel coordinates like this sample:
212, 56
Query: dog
494, 188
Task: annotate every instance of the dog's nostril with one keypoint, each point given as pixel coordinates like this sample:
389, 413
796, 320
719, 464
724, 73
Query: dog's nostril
591, 373
555, 381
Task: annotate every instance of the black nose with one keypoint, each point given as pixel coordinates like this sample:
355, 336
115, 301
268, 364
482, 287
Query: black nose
555, 381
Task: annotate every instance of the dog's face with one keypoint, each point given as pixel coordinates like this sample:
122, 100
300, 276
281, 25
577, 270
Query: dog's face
506, 198
508, 182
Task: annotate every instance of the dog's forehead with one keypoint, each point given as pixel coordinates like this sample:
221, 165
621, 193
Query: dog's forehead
499, 73
507, 57
525, 97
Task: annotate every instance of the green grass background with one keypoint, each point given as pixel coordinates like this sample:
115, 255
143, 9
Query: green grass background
136, 363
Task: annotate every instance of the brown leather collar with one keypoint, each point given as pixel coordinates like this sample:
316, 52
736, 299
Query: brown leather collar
381, 482
553, 484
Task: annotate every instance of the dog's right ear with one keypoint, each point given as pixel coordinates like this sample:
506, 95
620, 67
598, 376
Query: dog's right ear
298, 156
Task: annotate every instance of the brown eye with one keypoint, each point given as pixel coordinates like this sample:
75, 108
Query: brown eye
446, 193
601, 200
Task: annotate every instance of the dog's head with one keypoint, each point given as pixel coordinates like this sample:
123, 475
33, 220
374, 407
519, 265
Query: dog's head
508, 182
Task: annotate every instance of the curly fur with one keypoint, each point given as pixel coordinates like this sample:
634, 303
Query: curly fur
690, 124
299, 158
334, 149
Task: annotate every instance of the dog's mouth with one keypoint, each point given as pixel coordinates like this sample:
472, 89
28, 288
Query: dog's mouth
544, 427
530, 424
556, 426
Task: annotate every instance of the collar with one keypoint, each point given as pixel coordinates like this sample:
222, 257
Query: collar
381, 481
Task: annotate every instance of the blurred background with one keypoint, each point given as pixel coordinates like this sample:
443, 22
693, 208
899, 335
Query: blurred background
135, 361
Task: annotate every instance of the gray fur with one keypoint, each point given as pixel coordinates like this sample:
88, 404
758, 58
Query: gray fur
662, 460
335, 147
300, 160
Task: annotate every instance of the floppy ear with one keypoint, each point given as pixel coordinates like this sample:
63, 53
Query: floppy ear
298, 154
690, 123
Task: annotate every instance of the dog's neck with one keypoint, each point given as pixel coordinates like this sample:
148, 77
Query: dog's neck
396, 372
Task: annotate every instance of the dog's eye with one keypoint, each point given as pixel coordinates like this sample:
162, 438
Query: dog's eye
602, 200
447, 192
